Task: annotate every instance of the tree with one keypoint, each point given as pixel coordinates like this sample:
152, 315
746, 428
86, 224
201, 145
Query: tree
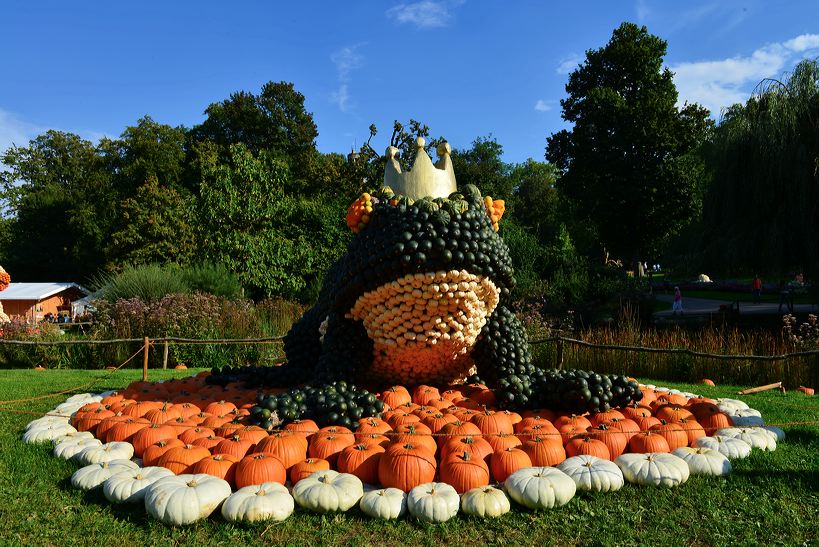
274, 120
145, 150
156, 225
629, 163
58, 195
483, 166
761, 210
278, 244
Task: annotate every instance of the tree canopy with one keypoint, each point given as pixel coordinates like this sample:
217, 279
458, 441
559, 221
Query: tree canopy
629, 162
761, 210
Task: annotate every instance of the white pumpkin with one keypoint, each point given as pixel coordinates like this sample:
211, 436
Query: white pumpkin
183, 499
129, 486
72, 437
328, 491
84, 398
778, 432
593, 474
92, 476
109, 451
46, 433
729, 405
485, 502
67, 450
704, 461
433, 502
384, 503
731, 448
540, 487
653, 469
67, 409
747, 421
757, 437
268, 501
45, 421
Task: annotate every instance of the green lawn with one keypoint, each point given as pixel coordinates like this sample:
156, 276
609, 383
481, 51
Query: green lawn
769, 498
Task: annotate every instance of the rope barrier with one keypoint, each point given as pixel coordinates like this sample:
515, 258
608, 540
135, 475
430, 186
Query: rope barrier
741, 357
169, 339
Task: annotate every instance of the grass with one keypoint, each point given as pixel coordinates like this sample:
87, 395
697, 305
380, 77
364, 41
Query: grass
769, 498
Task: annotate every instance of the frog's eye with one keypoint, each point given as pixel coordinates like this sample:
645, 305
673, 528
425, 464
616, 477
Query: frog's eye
358, 213
495, 209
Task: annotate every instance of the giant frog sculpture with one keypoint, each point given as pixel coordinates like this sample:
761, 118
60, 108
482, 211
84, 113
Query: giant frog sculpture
420, 296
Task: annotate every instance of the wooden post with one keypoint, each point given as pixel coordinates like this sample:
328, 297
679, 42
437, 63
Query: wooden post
145, 360
165, 356
777, 385
560, 353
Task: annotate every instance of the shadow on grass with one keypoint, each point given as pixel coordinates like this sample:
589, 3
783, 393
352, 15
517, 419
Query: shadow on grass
808, 480
133, 513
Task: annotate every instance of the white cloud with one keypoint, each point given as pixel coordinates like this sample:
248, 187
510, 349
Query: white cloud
15, 131
346, 60
569, 63
542, 106
720, 83
803, 42
425, 14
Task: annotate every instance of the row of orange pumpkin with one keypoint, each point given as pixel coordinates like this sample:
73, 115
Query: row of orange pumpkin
424, 434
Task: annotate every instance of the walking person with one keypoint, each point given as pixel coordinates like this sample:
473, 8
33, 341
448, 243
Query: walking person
756, 286
677, 305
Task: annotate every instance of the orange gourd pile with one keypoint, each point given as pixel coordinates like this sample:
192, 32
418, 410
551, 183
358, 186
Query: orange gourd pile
451, 434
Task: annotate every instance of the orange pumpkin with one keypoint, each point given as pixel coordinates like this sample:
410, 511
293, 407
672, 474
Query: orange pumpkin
328, 446
648, 441
181, 459
544, 452
258, 469
673, 434
587, 445
463, 471
218, 465
151, 455
305, 468
289, 447
405, 466
233, 445
507, 461
362, 461
306, 428
150, 435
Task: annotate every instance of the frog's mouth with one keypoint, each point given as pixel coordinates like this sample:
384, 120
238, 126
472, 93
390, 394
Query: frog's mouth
423, 325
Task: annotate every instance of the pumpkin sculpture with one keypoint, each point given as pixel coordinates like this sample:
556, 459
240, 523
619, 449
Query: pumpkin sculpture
422, 297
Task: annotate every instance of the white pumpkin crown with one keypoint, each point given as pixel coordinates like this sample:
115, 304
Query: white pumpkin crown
425, 179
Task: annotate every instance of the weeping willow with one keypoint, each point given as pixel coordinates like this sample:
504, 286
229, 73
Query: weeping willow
761, 210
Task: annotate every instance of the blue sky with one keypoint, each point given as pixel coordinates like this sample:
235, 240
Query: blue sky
467, 68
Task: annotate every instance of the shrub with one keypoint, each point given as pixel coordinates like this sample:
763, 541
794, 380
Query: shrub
213, 279
147, 282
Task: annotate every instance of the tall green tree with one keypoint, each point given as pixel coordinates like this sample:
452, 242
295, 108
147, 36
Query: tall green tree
761, 210
59, 200
156, 225
277, 243
483, 166
146, 150
629, 162
275, 120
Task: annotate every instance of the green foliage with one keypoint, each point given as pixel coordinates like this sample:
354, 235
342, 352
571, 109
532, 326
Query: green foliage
58, 196
274, 120
627, 163
154, 226
213, 279
760, 210
148, 150
482, 165
148, 282
277, 243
